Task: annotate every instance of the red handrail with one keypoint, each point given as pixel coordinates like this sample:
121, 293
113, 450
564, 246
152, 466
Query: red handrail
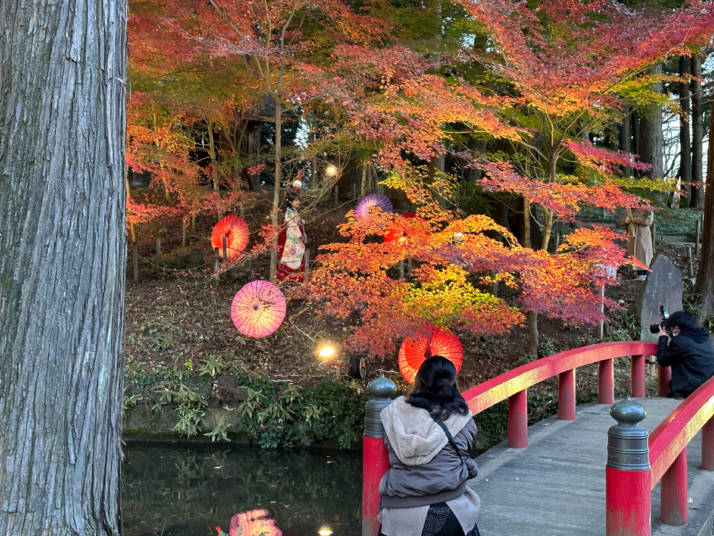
673, 434
508, 384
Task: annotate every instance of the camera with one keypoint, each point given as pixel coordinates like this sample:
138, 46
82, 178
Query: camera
654, 328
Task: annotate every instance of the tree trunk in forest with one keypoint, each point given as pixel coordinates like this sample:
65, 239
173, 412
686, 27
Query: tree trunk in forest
696, 198
705, 278
685, 142
363, 184
62, 238
626, 138
278, 119
254, 156
651, 139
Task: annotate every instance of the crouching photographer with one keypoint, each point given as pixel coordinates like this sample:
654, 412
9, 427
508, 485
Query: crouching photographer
686, 347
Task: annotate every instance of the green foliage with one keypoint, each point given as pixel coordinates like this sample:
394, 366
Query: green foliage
219, 432
677, 221
285, 416
623, 326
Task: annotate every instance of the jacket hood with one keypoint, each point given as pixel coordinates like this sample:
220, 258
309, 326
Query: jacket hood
413, 434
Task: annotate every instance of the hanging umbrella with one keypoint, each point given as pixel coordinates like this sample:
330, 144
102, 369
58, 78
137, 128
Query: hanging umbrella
372, 201
236, 231
258, 309
431, 340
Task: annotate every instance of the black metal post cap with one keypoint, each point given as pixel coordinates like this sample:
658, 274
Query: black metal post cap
628, 412
381, 387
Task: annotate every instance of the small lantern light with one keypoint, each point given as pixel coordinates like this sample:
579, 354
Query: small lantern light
297, 184
324, 530
327, 351
459, 237
331, 170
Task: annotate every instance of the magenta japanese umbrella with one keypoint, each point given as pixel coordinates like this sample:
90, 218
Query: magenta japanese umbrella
236, 231
258, 309
373, 201
429, 341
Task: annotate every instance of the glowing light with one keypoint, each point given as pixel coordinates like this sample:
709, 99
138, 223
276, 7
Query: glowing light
297, 183
459, 237
325, 531
331, 170
327, 351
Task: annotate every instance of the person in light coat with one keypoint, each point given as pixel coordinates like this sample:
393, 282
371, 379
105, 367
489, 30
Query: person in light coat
425, 491
639, 236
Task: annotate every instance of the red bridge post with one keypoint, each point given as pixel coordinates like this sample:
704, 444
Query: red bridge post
566, 395
664, 375
375, 460
674, 492
637, 376
605, 382
518, 420
627, 486
708, 445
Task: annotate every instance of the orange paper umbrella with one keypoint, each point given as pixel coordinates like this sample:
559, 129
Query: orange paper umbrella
431, 340
258, 309
236, 231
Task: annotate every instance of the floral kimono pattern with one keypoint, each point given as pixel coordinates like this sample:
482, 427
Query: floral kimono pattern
292, 241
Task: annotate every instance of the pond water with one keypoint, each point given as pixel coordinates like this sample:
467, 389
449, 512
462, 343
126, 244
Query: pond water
185, 491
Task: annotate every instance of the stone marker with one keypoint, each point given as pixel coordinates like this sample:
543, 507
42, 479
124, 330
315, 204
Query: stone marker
664, 286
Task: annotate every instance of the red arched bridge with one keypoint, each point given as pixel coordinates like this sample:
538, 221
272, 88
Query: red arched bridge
594, 469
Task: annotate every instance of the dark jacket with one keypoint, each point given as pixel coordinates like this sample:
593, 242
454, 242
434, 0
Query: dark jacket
691, 356
425, 468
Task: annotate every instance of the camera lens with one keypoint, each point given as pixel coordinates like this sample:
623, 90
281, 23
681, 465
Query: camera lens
654, 328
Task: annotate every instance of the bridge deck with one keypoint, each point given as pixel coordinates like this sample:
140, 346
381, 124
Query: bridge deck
556, 486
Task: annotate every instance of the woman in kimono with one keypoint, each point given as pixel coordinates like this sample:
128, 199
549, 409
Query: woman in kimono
291, 242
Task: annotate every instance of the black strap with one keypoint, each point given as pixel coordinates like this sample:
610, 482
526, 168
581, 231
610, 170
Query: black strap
438, 421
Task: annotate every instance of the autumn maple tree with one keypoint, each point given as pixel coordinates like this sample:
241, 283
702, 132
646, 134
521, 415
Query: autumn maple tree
560, 72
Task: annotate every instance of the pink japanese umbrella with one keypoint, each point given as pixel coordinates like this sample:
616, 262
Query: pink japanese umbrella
258, 309
372, 201
431, 340
236, 231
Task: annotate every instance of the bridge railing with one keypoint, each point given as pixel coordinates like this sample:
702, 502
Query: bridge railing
629, 489
513, 385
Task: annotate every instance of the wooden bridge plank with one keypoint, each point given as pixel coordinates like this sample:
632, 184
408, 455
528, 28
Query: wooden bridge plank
556, 486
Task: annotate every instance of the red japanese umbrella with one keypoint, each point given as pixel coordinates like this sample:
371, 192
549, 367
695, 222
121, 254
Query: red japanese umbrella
236, 231
258, 309
431, 340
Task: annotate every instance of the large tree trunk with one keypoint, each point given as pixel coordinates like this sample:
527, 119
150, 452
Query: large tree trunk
697, 193
705, 278
651, 139
685, 142
62, 238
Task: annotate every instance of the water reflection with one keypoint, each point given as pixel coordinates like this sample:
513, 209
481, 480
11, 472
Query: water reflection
172, 491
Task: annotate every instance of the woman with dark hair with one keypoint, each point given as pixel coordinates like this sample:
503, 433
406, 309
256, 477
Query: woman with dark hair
291, 242
428, 435
686, 347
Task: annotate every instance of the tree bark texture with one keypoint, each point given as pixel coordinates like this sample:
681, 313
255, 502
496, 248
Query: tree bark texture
62, 238
705, 278
651, 138
696, 198
626, 137
685, 142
